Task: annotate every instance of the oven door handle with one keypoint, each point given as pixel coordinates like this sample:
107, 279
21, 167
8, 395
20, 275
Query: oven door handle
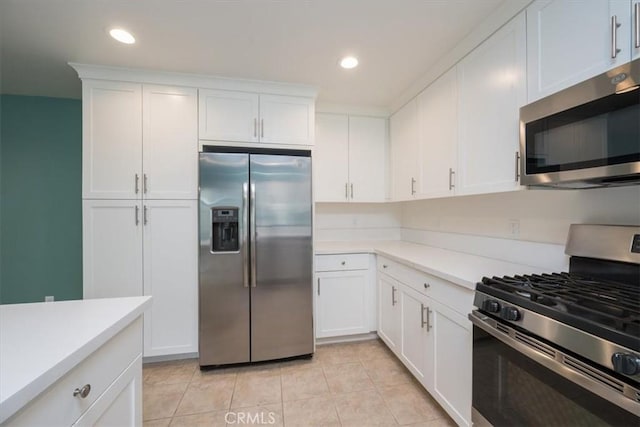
594, 380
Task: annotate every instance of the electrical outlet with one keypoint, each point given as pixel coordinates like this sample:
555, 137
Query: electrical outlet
49, 298
514, 227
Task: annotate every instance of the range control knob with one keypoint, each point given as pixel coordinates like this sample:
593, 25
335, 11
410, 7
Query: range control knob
491, 305
510, 313
627, 364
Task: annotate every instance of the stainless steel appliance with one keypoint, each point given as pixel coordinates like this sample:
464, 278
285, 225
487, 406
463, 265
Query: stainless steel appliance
255, 255
585, 136
562, 348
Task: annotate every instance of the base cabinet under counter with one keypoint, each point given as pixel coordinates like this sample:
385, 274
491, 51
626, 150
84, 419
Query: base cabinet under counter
422, 320
344, 295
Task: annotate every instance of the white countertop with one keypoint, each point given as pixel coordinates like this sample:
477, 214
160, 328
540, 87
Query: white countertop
457, 267
41, 342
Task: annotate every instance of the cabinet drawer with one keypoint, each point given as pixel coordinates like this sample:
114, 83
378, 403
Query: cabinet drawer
58, 406
342, 262
445, 292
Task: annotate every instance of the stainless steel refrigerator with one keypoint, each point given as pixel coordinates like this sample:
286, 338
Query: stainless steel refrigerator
255, 256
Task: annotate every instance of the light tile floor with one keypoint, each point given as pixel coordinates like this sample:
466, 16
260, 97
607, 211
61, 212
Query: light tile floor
354, 384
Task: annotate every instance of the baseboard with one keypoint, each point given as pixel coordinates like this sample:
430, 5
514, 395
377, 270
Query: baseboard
169, 357
347, 338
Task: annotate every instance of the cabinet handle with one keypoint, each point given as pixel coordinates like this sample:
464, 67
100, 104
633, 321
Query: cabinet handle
261, 128
422, 321
517, 166
427, 286
451, 174
255, 127
137, 215
144, 215
343, 262
384, 265
137, 183
413, 182
144, 183
614, 36
83, 391
393, 295
428, 321
352, 190
636, 25
346, 190
318, 286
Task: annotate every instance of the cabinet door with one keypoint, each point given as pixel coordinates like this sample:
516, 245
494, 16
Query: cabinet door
170, 142
415, 332
635, 29
342, 302
171, 276
438, 137
111, 140
404, 152
367, 158
286, 120
491, 90
451, 355
570, 41
121, 404
331, 158
112, 248
228, 116
389, 312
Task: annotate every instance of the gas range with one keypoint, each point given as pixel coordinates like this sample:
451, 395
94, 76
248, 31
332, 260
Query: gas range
583, 324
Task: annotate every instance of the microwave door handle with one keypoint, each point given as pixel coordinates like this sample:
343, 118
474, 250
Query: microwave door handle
252, 234
244, 225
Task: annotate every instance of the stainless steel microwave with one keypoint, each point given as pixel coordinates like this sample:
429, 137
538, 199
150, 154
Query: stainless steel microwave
585, 136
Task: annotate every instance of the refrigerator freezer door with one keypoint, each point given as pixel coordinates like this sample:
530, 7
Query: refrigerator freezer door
224, 293
281, 291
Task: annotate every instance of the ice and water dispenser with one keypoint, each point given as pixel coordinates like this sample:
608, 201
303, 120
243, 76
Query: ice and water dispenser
226, 229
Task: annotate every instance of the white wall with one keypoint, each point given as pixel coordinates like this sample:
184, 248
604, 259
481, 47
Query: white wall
529, 215
357, 221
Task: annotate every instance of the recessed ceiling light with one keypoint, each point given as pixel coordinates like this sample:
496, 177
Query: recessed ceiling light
349, 62
123, 36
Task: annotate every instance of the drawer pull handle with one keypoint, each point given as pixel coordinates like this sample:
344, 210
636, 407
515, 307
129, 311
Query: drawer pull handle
82, 392
343, 262
384, 265
427, 286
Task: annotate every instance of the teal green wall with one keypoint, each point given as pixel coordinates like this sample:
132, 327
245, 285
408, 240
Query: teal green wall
40, 198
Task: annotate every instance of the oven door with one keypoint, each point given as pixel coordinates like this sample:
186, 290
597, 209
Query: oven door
520, 380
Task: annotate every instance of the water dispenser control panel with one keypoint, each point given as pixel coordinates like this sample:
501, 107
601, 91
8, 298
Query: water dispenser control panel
225, 229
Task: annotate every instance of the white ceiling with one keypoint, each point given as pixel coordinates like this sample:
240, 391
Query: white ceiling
297, 41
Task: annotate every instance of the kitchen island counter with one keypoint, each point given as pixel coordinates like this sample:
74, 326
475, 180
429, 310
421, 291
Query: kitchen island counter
42, 342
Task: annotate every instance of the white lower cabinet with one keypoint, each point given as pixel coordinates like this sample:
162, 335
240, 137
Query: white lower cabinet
134, 248
111, 379
343, 302
432, 339
389, 312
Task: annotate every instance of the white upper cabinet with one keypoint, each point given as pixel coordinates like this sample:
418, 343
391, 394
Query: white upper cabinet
170, 142
570, 41
635, 29
350, 158
404, 132
367, 159
228, 116
437, 107
111, 140
331, 158
491, 90
251, 117
131, 155
287, 120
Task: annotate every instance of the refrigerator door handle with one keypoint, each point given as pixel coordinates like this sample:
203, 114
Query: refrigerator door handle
252, 222
245, 254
